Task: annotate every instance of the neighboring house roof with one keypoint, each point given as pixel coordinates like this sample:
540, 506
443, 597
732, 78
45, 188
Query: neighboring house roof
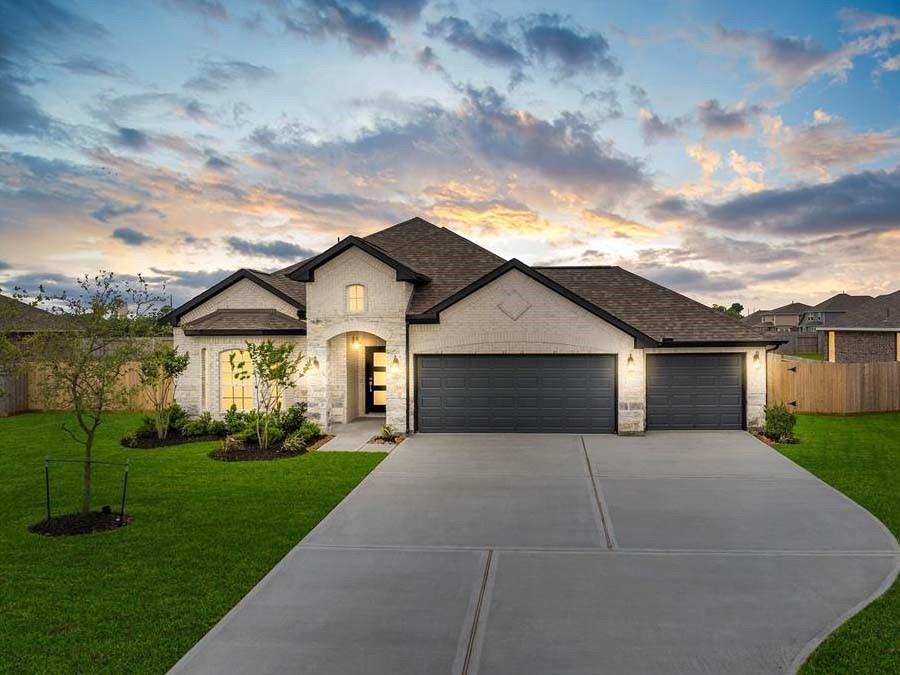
882, 313
792, 308
445, 267
20, 317
663, 314
842, 302
245, 322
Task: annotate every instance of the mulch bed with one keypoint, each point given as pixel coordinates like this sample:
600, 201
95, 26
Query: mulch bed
765, 439
173, 438
252, 453
397, 440
79, 523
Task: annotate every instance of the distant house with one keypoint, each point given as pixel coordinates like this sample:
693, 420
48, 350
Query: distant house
869, 333
19, 318
779, 320
828, 311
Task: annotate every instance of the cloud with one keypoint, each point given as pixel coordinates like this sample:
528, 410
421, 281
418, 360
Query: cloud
492, 45
216, 163
654, 128
363, 31
216, 76
790, 61
400, 10
614, 224
826, 143
133, 139
131, 237
110, 211
608, 102
719, 121
5, 265
568, 50
194, 279
748, 173
208, 9
639, 96
20, 114
94, 66
866, 201
280, 250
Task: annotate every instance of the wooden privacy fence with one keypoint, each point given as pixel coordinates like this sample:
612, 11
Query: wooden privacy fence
13, 394
832, 388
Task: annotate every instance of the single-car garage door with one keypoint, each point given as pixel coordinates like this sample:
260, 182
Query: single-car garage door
516, 393
695, 391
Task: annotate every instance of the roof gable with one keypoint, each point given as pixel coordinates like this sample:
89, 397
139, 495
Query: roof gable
306, 271
432, 315
882, 312
276, 286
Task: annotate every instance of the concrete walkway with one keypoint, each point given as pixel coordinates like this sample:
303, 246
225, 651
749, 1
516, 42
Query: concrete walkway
670, 553
355, 435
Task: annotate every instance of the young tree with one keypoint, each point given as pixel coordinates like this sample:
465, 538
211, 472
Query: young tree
273, 369
159, 372
81, 369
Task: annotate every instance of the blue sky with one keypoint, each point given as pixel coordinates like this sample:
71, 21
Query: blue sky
735, 152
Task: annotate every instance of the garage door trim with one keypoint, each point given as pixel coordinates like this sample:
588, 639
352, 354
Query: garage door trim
743, 360
418, 357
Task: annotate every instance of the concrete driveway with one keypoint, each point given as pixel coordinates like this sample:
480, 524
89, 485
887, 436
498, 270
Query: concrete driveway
673, 552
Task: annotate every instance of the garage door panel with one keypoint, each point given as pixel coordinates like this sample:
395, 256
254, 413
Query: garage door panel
518, 393
695, 391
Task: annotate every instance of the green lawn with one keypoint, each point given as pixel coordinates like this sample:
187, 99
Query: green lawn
134, 600
860, 456
812, 356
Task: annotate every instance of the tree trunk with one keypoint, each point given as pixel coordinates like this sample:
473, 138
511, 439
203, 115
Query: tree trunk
86, 494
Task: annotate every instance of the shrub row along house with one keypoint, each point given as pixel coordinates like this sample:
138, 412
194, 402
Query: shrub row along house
438, 334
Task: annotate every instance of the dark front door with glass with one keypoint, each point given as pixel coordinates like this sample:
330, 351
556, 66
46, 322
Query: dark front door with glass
376, 379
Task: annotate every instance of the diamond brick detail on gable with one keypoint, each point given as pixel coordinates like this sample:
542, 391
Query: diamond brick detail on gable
513, 305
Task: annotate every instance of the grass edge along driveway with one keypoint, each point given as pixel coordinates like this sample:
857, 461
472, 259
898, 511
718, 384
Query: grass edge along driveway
134, 600
860, 456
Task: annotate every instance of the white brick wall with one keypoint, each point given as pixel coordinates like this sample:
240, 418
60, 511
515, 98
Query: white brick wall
551, 324
244, 294
328, 322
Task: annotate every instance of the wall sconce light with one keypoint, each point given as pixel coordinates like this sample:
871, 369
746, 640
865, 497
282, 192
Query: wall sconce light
756, 362
395, 365
629, 364
314, 366
354, 342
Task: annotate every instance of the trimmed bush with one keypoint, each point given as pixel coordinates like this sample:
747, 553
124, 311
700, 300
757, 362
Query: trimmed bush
780, 423
293, 418
294, 443
309, 430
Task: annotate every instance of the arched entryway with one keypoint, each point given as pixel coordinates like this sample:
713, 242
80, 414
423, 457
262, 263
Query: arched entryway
357, 376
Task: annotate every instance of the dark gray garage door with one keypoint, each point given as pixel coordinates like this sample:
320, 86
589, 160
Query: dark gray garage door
564, 393
695, 391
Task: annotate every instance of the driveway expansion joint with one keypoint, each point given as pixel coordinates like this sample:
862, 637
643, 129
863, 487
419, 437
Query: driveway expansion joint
605, 520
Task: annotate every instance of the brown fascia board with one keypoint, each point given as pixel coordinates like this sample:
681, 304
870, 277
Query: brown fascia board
432, 315
243, 273
306, 272
244, 331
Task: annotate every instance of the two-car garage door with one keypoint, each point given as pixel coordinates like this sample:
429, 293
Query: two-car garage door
568, 393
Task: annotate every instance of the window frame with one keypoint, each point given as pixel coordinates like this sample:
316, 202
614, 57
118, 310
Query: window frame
226, 379
350, 300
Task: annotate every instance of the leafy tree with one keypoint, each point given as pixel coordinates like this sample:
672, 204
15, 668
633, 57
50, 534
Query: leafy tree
159, 373
735, 311
81, 369
273, 368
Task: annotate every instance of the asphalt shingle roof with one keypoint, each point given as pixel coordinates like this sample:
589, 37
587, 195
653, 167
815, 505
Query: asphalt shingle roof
881, 312
20, 317
842, 302
654, 310
244, 320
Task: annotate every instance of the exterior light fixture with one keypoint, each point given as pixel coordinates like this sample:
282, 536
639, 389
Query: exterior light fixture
395, 365
756, 362
354, 342
629, 364
314, 366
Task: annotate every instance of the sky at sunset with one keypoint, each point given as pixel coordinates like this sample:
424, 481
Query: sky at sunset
746, 152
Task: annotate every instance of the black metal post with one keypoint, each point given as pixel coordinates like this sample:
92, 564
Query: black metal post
47, 484
124, 489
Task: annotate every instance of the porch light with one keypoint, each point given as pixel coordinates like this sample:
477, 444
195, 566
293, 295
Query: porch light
395, 365
629, 364
354, 342
314, 366
756, 362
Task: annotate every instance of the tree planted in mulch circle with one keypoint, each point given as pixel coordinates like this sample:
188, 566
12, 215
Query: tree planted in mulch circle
82, 369
81, 523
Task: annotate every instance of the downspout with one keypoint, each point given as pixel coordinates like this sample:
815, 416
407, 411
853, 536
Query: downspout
407, 377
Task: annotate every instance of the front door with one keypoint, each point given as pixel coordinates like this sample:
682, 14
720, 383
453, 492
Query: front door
376, 379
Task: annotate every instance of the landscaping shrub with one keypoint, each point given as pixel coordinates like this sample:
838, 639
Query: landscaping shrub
217, 428
309, 430
388, 434
780, 423
293, 418
177, 416
294, 442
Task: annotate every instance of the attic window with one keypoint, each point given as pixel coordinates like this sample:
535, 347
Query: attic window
356, 298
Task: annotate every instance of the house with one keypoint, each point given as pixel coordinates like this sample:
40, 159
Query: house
829, 310
438, 334
779, 320
869, 333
